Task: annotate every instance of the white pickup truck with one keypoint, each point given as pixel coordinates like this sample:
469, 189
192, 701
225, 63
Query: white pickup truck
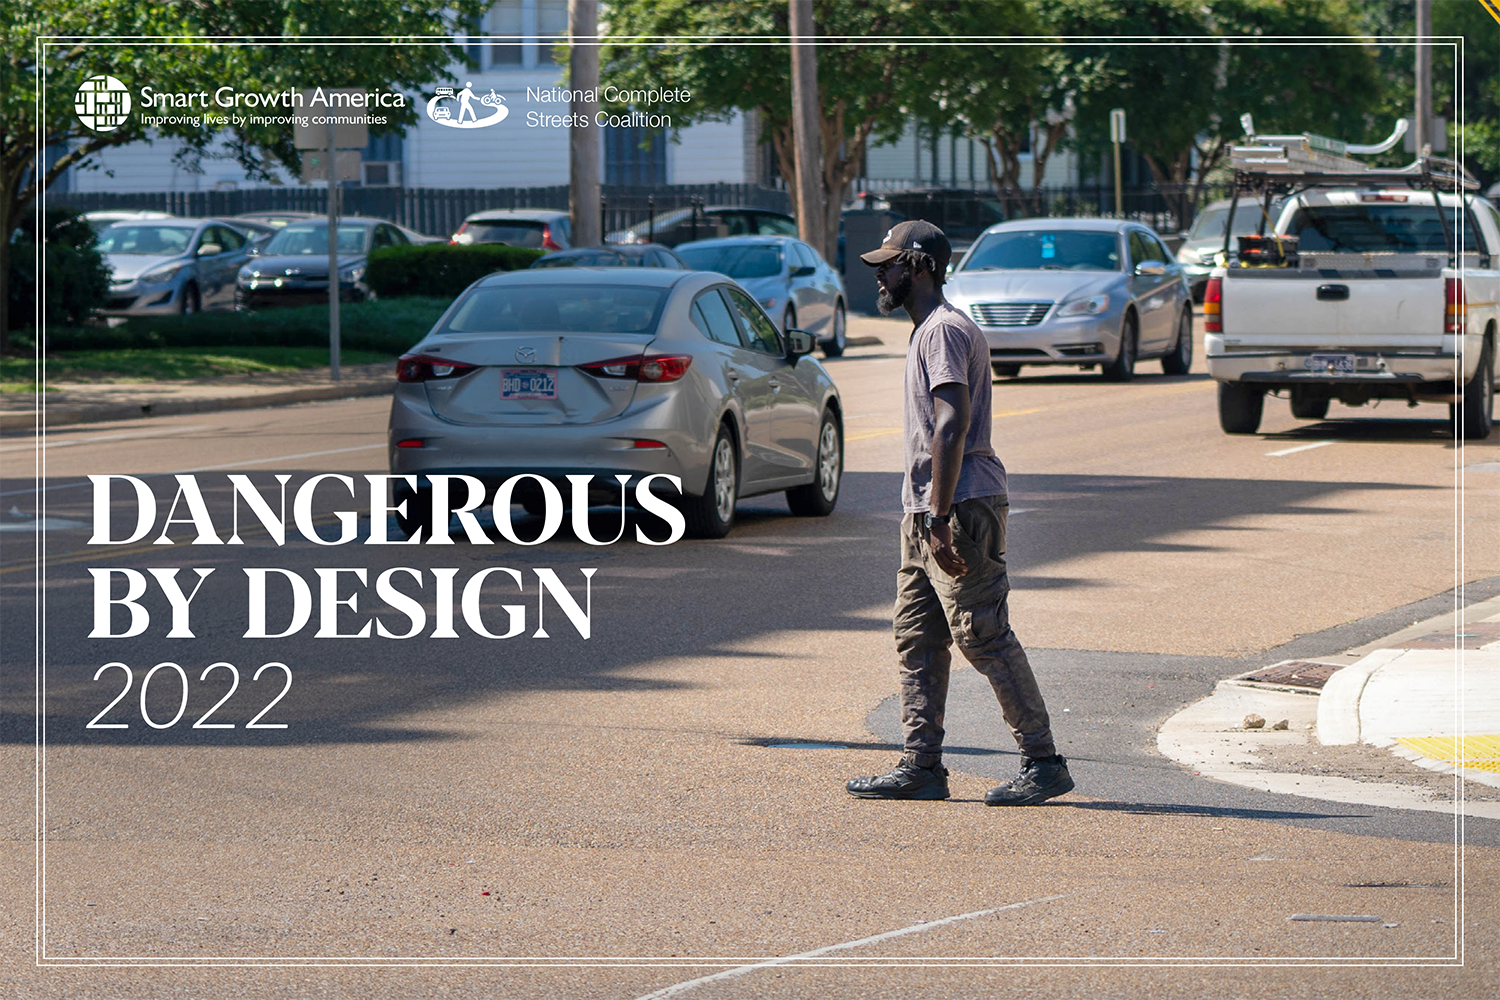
1372, 304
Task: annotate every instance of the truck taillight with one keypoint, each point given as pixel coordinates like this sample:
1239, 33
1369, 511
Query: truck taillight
1213, 306
548, 243
1457, 311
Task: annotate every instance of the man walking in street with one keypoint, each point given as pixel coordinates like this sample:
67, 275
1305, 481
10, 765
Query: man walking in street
952, 585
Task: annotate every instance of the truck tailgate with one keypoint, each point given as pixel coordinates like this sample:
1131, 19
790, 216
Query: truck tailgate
1296, 307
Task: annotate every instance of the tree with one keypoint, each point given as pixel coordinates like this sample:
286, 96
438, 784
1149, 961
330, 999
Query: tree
204, 47
869, 71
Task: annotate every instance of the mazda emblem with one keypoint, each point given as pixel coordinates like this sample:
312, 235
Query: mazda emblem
526, 355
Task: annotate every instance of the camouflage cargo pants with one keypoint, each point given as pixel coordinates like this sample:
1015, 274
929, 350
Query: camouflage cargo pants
934, 610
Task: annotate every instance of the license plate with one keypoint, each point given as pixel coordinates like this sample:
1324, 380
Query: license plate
527, 383
1335, 364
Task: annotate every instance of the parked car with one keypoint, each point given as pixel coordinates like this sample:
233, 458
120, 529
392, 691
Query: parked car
787, 277
620, 255
280, 220
683, 224
102, 220
292, 269
1202, 243
631, 373
961, 215
164, 266
1082, 292
540, 228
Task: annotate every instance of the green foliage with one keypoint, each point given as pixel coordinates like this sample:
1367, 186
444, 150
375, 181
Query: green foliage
77, 278
180, 362
388, 326
441, 270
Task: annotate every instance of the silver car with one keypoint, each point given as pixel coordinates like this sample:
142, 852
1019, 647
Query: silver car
617, 372
1082, 292
179, 266
789, 279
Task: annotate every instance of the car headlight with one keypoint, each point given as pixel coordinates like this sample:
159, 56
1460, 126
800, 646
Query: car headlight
163, 273
352, 274
1084, 307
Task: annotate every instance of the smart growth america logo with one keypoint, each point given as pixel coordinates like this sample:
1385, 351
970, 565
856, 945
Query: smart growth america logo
102, 103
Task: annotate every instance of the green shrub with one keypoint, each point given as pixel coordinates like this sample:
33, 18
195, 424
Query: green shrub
77, 278
440, 269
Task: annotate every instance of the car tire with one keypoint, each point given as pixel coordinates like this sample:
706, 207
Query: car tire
834, 346
1240, 408
711, 514
1306, 406
818, 498
1122, 368
1475, 416
1005, 371
1180, 361
191, 302
418, 516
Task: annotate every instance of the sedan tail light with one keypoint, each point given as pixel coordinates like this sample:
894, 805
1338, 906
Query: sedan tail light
641, 368
425, 368
1213, 306
1457, 306
548, 243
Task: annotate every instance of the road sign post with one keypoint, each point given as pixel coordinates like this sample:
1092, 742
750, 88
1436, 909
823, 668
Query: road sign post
1117, 136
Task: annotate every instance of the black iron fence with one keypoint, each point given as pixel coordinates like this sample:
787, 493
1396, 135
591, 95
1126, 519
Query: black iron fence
433, 211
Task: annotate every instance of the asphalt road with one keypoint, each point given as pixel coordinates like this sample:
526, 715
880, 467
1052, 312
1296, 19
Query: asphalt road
638, 810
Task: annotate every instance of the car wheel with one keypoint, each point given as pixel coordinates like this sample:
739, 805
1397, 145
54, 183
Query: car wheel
1240, 408
1306, 406
1180, 361
1122, 368
1476, 414
711, 515
190, 303
418, 516
818, 497
834, 346
1005, 371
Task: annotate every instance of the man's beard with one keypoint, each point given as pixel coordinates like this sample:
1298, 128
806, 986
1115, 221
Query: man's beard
893, 297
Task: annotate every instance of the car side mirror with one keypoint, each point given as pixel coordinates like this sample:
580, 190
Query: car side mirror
798, 343
804, 271
209, 250
1151, 268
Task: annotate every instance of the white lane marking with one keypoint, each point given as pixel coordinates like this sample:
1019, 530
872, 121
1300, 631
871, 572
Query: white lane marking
671, 991
123, 436
1300, 447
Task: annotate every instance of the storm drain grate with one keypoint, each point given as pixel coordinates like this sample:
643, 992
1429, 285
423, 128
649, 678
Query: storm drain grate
1297, 673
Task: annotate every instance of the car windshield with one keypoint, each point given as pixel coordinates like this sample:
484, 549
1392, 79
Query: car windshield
312, 239
737, 261
1381, 227
1210, 223
517, 234
1045, 250
567, 308
148, 239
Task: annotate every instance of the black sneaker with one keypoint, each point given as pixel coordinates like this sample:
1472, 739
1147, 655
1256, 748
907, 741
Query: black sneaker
905, 781
1038, 781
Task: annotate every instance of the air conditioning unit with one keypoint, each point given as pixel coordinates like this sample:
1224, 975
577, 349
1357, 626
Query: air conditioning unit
386, 174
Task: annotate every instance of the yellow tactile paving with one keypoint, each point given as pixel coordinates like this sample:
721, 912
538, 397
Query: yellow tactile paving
1482, 753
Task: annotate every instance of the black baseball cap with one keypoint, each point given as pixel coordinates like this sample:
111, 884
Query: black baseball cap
917, 235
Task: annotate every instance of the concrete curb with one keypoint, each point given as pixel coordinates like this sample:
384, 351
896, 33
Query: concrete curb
63, 413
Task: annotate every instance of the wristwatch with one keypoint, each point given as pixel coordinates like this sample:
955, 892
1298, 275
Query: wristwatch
929, 519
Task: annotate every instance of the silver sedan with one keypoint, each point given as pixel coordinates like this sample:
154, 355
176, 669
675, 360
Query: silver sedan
617, 372
1082, 292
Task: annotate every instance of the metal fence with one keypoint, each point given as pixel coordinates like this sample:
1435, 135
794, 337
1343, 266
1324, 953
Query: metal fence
433, 211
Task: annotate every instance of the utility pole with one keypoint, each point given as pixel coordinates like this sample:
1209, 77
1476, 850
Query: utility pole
808, 137
1423, 131
583, 141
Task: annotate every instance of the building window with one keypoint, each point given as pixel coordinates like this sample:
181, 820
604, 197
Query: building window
551, 29
505, 19
635, 155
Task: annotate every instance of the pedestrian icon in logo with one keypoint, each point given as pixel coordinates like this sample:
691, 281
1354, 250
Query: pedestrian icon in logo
467, 116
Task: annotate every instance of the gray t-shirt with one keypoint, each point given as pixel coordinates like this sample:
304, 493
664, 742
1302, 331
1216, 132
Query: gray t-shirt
948, 347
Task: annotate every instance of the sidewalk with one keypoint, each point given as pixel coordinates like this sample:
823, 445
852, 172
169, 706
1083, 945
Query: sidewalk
78, 402
1411, 721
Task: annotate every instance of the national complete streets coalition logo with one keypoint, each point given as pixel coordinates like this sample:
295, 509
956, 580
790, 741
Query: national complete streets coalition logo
461, 112
102, 103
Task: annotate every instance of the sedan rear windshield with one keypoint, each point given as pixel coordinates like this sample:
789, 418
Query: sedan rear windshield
517, 234
1378, 227
558, 309
1045, 250
735, 261
147, 240
303, 238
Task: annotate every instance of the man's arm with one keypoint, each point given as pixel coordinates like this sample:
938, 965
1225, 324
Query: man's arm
950, 430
